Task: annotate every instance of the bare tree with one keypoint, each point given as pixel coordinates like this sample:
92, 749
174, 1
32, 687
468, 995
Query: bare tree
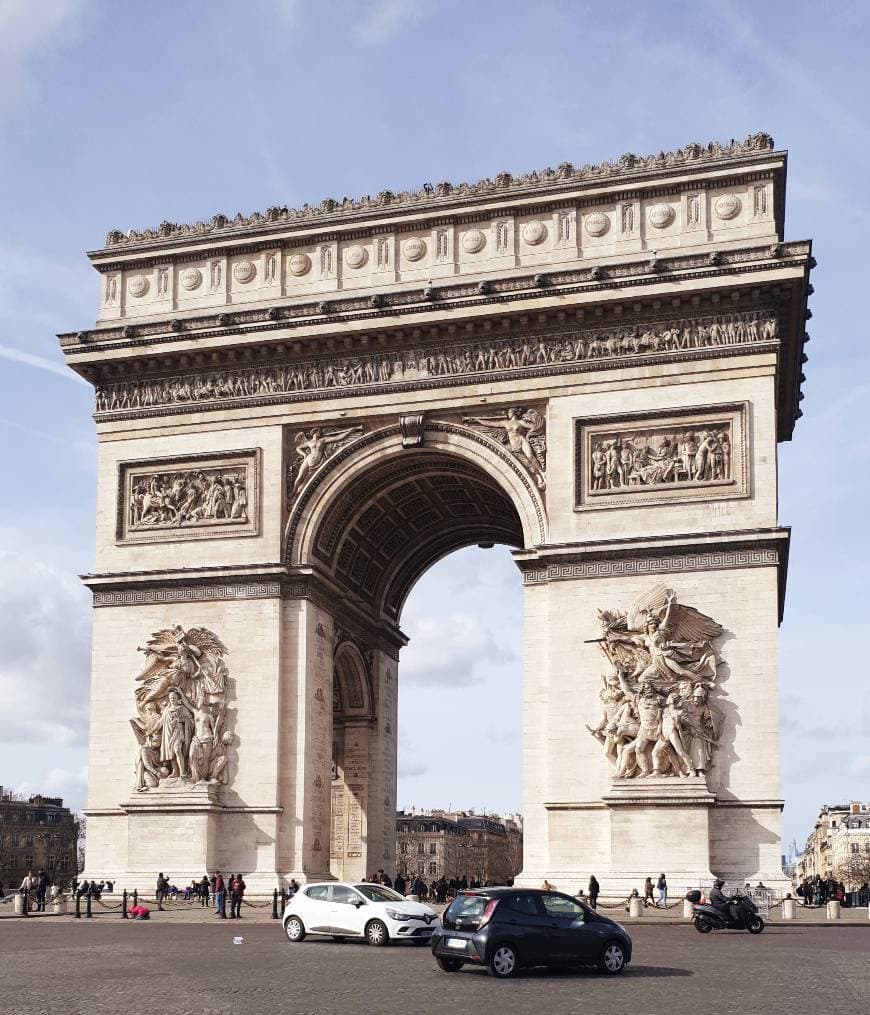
854, 871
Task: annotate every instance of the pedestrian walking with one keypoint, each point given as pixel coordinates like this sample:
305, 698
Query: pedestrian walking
648, 899
162, 887
204, 886
662, 888
594, 889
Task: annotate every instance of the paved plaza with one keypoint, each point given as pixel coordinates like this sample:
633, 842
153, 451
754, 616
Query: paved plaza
170, 966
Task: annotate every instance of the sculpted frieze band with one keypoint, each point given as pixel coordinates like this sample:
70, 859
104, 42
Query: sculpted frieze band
570, 350
656, 714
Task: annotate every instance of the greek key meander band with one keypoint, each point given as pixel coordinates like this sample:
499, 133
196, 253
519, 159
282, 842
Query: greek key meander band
653, 565
187, 594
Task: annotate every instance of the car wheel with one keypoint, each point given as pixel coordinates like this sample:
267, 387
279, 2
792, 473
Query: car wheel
339, 939
612, 960
504, 962
703, 926
449, 965
294, 928
756, 924
377, 933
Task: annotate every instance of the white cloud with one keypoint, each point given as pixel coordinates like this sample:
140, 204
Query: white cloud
450, 650
409, 768
385, 19
40, 362
45, 663
27, 31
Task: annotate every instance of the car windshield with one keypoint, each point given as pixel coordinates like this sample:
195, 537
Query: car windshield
377, 893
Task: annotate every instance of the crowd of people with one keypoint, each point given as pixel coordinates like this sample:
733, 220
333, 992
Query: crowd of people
439, 890
818, 891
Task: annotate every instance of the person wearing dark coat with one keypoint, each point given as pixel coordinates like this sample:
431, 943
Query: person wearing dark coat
594, 889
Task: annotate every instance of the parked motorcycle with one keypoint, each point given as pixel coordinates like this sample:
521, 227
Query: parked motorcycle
742, 914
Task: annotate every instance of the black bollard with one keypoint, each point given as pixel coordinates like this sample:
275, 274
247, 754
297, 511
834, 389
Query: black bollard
275, 904
88, 912
124, 915
135, 896
283, 903
78, 912
26, 896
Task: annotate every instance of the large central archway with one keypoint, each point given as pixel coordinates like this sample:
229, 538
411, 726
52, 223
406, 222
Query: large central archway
369, 525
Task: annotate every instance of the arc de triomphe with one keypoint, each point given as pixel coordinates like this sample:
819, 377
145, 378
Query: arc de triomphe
300, 411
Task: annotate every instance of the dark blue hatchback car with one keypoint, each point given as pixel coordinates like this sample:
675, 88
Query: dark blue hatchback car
506, 929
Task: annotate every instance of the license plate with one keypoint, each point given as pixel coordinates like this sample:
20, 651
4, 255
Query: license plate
455, 942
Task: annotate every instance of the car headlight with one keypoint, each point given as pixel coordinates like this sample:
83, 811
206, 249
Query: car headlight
394, 914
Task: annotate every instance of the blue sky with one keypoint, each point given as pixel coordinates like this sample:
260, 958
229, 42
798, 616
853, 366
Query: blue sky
120, 115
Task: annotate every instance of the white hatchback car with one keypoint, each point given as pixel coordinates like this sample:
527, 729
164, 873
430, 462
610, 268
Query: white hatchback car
346, 909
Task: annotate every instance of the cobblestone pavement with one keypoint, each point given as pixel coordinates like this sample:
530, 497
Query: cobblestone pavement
175, 968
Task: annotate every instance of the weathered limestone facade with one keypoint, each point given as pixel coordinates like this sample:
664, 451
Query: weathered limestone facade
299, 412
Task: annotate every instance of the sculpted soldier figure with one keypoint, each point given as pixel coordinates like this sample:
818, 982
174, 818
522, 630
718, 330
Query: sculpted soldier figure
616, 725
202, 743
648, 706
176, 721
670, 751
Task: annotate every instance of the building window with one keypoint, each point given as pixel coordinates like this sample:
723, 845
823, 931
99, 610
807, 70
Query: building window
28, 860
64, 863
403, 847
433, 868
433, 848
29, 839
855, 847
419, 847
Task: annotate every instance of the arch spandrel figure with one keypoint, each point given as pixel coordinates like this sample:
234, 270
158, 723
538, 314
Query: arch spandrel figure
523, 432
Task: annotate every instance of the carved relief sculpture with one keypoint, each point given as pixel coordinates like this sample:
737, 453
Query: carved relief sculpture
181, 705
316, 447
686, 455
523, 432
566, 351
196, 497
656, 717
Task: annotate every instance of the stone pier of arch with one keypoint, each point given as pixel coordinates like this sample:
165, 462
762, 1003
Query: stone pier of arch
298, 414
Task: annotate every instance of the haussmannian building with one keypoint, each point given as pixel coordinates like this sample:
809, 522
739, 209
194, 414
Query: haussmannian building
840, 836
37, 833
459, 844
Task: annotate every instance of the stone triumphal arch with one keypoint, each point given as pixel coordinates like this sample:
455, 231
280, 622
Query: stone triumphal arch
301, 411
